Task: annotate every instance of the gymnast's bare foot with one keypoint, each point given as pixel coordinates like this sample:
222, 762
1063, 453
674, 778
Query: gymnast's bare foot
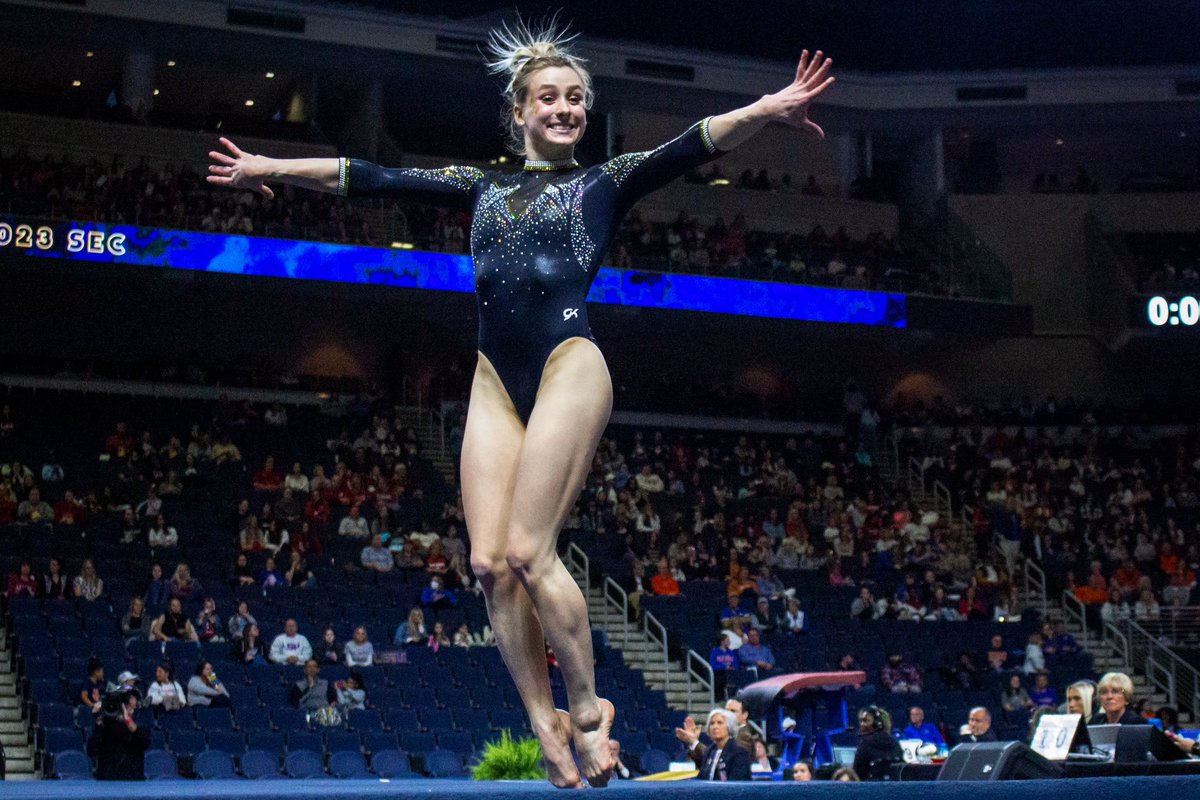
556, 752
591, 744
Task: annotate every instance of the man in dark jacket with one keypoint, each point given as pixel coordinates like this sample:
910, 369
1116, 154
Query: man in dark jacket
119, 744
723, 760
877, 748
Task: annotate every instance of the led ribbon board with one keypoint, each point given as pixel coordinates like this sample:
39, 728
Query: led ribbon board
284, 258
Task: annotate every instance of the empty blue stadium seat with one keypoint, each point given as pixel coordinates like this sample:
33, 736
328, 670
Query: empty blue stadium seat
289, 719
456, 741
435, 719
472, 720
58, 740
364, 719
378, 741
231, 742
185, 743
417, 742
303, 764
444, 764
214, 765
160, 765
72, 765
303, 740
213, 719
260, 764
54, 715
348, 764
253, 719
391, 764
272, 741
653, 761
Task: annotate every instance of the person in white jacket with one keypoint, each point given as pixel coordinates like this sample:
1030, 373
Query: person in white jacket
166, 693
162, 535
290, 647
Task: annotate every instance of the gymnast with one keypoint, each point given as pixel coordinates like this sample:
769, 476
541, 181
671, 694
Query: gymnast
541, 395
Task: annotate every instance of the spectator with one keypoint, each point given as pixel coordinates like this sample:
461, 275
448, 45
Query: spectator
1146, 609
297, 481
1014, 698
997, 655
793, 619
723, 660
298, 574
22, 583
866, 607
165, 693
205, 689
746, 736
70, 510
409, 558
979, 726
1081, 699
267, 479
1115, 610
135, 625
276, 537
462, 636
436, 562
375, 557
802, 772
648, 483
1115, 691
162, 536
723, 760
173, 625
350, 693
239, 621
183, 585
877, 748
54, 585
131, 527
664, 583
754, 654
329, 651
91, 691
312, 693
1035, 659
248, 649
250, 537
270, 577
158, 589
918, 728
436, 596
358, 651
88, 585
208, 623
899, 677
1043, 694
438, 638
243, 574
1059, 642
412, 631
291, 646
354, 525
35, 511
760, 620
620, 770
845, 775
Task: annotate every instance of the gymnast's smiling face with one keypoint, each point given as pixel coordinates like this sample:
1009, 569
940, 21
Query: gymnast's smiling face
553, 115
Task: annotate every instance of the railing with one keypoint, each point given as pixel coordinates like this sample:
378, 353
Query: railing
615, 596
704, 676
942, 498
943, 501
578, 559
1035, 584
657, 633
1074, 609
1163, 668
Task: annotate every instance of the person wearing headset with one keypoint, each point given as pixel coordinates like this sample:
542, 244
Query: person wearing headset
877, 748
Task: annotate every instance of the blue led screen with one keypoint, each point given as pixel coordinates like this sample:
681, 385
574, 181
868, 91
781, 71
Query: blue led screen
279, 258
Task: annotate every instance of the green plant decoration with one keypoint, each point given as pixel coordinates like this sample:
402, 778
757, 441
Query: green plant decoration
510, 760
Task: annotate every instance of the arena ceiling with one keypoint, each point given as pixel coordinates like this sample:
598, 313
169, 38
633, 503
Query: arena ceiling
880, 35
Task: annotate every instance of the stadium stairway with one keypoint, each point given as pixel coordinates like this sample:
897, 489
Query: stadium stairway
14, 731
419, 419
683, 692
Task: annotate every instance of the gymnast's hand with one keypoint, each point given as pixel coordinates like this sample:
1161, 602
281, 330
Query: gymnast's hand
790, 105
242, 171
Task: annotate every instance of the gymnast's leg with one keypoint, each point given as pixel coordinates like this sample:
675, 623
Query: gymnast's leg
573, 405
491, 446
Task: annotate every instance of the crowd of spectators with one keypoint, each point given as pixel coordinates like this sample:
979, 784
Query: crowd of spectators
1168, 263
177, 196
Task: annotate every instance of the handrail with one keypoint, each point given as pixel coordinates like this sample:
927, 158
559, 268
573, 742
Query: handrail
574, 552
620, 600
1164, 668
657, 633
916, 475
691, 658
1073, 607
1035, 581
941, 493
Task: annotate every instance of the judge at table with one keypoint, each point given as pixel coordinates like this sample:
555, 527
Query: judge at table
723, 760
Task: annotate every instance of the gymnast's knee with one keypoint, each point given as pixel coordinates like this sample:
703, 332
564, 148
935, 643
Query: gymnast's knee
489, 569
527, 561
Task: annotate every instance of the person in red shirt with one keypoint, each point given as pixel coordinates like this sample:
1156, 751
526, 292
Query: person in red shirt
267, 479
663, 583
22, 583
316, 510
1127, 578
69, 511
119, 443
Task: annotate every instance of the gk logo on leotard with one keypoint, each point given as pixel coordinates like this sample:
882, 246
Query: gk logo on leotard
569, 313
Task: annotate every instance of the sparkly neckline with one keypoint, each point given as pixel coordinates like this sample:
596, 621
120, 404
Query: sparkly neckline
547, 166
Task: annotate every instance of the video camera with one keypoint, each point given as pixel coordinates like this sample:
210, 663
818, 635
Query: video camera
116, 697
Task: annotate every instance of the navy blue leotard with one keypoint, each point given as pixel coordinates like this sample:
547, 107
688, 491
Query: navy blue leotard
537, 239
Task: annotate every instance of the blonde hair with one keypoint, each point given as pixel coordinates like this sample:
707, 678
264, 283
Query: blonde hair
1119, 681
521, 49
1087, 695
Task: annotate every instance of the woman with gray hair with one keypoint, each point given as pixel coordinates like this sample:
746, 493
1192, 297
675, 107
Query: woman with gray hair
724, 760
1116, 695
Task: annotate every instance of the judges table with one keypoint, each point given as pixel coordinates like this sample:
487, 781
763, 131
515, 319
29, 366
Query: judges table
1070, 769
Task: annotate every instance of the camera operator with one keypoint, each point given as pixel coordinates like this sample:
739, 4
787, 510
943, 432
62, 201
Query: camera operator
119, 745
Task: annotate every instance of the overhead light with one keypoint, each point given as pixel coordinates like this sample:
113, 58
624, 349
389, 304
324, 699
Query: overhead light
156, 92
77, 84
90, 54
270, 74
402, 245
1183, 134
1058, 142
170, 63
719, 182
249, 103
503, 159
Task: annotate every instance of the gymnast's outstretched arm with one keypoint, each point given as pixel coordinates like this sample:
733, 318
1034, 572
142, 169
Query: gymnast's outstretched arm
789, 105
240, 170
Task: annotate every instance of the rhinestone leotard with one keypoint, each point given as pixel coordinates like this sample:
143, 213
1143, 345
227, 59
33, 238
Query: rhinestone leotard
537, 240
